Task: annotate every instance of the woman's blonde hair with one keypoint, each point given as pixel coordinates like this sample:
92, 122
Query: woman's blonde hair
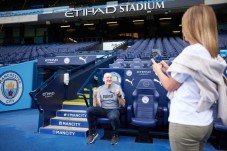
200, 24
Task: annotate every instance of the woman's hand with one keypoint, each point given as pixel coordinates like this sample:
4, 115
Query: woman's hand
157, 67
165, 66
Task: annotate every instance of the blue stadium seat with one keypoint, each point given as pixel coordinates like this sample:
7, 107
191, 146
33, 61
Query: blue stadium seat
121, 61
106, 126
115, 65
137, 65
142, 113
137, 60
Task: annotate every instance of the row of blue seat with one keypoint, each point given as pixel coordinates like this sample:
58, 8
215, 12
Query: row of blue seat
144, 48
142, 113
18, 54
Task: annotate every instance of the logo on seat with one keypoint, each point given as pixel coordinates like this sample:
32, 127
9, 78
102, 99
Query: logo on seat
146, 83
145, 99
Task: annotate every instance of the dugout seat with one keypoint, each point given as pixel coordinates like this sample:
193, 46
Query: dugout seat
142, 113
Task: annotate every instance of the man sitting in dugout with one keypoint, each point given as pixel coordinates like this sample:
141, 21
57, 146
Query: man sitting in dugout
107, 100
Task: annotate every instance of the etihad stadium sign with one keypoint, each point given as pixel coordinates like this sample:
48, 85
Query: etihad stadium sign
116, 9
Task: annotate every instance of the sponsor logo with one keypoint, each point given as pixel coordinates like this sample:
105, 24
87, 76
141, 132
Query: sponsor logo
83, 59
48, 94
131, 82
111, 96
146, 84
155, 80
51, 60
143, 72
11, 86
145, 99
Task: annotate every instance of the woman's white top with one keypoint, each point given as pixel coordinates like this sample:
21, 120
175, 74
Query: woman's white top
183, 104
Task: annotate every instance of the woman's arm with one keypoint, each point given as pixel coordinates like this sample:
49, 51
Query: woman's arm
168, 82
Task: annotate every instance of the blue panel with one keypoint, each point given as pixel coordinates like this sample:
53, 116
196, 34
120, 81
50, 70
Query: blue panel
16, 81
69, 60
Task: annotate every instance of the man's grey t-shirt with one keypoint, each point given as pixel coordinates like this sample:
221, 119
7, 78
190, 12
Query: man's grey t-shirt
108, 96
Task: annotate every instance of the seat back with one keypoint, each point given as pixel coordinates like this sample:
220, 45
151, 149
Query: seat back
145, 99
135, 65
137, 60
121, 61
146, 86
144, 107
115, 65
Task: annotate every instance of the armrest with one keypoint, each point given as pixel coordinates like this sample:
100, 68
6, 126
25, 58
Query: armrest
129, 114
156, 94
166, 115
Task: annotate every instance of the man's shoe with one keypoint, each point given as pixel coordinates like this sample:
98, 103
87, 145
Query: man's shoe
92, 137
114, 139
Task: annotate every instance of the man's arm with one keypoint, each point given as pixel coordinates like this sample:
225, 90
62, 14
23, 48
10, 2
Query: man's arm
120, 97
96, 101
121, 100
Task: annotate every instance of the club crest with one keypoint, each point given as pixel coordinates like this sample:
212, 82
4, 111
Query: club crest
116, 77
11, 88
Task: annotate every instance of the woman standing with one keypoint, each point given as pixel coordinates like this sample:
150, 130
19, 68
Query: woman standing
194, 81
